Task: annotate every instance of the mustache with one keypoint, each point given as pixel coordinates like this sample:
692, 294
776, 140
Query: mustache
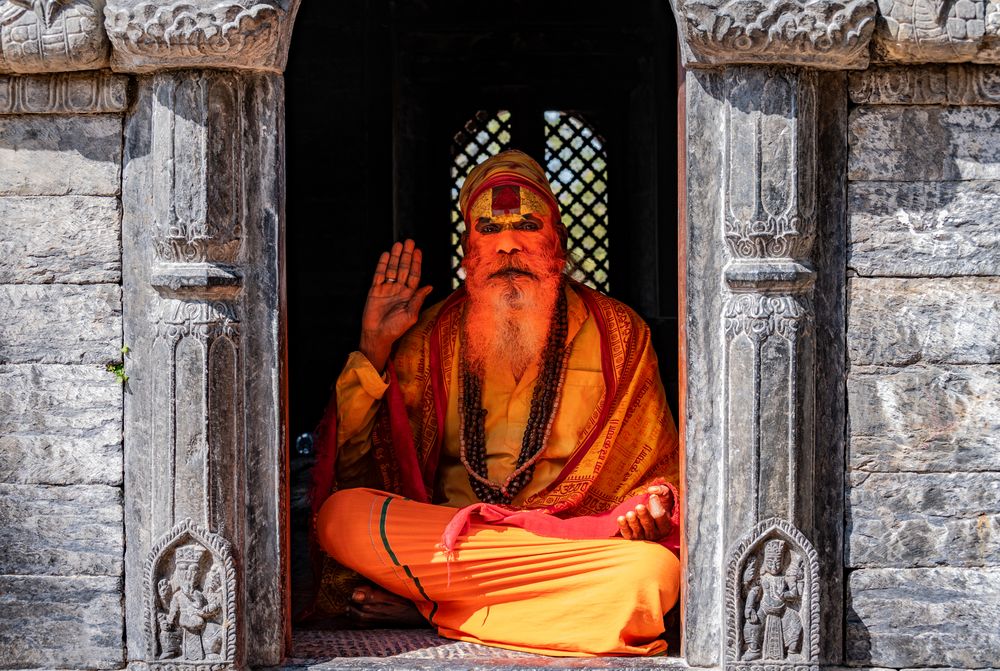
511, 272
510, 267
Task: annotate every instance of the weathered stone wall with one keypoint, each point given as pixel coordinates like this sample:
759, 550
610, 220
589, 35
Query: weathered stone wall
923, 336
61, 515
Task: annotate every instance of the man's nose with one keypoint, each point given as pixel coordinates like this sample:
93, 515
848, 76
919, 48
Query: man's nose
508, 243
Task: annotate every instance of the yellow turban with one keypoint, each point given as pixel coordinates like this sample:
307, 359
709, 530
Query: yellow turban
508, 168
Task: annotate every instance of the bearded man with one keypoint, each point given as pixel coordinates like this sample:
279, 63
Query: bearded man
506, 462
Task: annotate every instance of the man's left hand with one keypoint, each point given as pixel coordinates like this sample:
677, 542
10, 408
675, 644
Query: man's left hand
649, 522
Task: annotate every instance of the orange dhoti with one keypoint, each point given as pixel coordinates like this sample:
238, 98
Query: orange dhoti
506, 586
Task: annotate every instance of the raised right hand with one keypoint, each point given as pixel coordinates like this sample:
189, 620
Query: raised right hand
393, 301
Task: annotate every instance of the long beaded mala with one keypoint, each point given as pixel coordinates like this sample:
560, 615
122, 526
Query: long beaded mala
544, 404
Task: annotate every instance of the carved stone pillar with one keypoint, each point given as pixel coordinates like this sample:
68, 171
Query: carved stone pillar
754, 205
203, 190
768, 215
769, 224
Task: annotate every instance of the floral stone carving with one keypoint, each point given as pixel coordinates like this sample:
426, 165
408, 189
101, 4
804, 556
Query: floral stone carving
772, 599
149, 35
823, 34
190, 586
52, 35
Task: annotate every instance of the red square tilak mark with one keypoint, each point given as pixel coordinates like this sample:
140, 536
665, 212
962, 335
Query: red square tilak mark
506, 200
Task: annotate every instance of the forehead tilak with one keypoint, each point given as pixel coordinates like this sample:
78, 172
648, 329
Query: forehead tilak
507, 200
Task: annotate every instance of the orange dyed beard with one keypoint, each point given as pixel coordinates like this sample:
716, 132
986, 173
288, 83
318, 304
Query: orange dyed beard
511, 301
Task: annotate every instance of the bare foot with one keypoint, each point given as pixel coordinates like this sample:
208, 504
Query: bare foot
373, 607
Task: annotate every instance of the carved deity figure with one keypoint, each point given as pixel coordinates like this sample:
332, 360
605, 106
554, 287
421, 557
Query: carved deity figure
168, 635
187, 611
753, 627
781, 593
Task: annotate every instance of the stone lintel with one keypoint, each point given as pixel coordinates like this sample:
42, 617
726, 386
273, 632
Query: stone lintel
144, 36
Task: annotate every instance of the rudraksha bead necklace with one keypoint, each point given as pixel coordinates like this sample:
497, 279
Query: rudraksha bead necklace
544, 404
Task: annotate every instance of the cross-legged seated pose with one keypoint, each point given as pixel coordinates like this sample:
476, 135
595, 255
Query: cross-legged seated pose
504, 463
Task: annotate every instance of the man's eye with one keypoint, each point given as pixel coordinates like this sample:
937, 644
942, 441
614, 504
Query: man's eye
528, 226
489, 228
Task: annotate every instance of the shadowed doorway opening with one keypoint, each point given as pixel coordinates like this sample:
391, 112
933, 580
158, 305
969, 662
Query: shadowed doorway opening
382, 100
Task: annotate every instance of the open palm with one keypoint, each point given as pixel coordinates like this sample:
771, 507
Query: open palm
394, 301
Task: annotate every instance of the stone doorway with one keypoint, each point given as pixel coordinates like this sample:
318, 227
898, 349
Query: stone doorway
377, 91
206, 440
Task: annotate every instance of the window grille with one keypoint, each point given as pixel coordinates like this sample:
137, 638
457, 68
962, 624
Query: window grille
576, 165
483, 136
577, 168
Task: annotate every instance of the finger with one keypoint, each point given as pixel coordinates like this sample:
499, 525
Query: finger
392, 271
647, 522
656, 508
633, 523
667, 499
625, 529
383, 262
413, 281
663, 521
656, 489
404, 262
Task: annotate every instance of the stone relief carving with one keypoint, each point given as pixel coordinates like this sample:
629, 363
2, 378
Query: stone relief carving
190, 586
202, 319
901, 85
761, 316
770, 192
821, 34
943, 31
52, 35
193, 135
973, 85
769, 226
200, 33
63, 94
772, 599
958, 84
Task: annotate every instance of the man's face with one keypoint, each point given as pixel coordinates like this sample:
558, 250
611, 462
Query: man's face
511, 234
513, 264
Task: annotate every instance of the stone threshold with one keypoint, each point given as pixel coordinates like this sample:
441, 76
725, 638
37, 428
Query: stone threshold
423, 650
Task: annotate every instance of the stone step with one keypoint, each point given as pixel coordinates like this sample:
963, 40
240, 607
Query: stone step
423, 650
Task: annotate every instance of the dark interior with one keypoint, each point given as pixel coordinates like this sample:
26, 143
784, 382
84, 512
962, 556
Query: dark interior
376, 91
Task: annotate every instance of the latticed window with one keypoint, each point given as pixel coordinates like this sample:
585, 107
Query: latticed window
576, 165
483, 136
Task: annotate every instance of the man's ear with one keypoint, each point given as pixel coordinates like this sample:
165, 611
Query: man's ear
464, 241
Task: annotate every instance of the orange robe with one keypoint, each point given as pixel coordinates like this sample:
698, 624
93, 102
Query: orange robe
506, 586
612, 436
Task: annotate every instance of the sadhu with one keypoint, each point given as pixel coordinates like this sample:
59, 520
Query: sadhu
503, 463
